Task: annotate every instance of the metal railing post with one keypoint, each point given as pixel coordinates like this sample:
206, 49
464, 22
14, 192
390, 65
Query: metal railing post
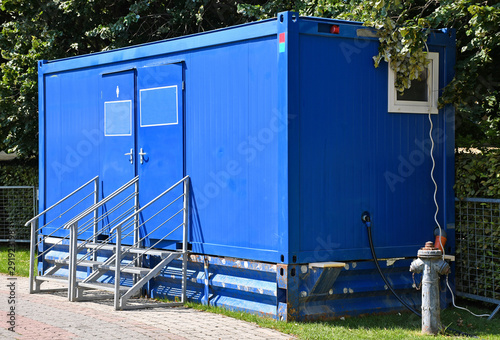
73, 251
35, 200
136, 222
96, 214
32, 257
138, 260
185, 239
117, 265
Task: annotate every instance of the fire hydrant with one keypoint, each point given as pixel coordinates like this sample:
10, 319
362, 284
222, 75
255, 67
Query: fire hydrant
431, 263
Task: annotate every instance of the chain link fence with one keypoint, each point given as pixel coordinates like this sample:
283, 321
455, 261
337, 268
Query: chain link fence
478, 249
18, 204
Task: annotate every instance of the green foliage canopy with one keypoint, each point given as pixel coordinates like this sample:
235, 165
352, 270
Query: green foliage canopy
478, 173
403, 27
42, 29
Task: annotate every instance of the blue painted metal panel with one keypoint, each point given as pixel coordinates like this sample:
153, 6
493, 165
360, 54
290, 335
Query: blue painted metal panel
232, 131
356, 289
355, 156
288, 87
71, 142
163, 144
41, 139
207, 40
116, 167
234, 284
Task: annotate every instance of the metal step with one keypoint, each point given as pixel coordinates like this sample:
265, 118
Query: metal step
84, 263
101, 286
100, 265
112, 247
52, 278
104, 246
130, 270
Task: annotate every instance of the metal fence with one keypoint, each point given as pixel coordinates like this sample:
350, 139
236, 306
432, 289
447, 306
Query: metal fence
18, 204
478, 249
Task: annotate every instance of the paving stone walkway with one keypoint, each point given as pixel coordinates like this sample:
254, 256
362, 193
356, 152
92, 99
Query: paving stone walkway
52, 316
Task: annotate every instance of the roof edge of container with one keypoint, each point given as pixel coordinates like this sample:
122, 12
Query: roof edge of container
332, 20
246, 31
437, 37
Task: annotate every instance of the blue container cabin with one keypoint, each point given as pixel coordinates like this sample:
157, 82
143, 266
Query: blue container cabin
288, 133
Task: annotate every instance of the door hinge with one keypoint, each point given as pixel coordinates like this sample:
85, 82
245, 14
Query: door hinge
183, 85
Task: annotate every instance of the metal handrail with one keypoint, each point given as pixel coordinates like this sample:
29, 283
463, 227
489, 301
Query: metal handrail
72, 225
184, 222
101, 203
151, 202
152, 246
33, 287
61, 200
161, 225
94, 251
153, 216
87, 224
64, 212
117, 230
133, 216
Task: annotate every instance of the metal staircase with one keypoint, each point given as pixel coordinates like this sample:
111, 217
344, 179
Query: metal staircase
105, 246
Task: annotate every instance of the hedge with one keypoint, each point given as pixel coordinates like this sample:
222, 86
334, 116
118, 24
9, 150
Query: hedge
477, 173
19, 172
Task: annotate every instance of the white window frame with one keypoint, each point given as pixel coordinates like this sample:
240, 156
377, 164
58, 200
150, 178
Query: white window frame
176, 105
408, 106
129, 120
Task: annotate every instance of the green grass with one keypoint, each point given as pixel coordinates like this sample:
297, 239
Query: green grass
393, 326
21, 259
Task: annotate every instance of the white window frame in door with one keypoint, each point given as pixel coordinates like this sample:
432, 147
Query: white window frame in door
107, 119
141, 101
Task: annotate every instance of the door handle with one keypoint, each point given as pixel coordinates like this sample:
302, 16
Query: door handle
142, 154
131, 155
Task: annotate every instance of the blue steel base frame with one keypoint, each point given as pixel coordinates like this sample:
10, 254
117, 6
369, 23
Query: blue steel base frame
292, 292
281, 291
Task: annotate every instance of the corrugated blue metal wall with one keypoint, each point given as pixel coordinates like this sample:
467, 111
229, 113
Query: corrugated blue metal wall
231, 148
69, 150
355, 156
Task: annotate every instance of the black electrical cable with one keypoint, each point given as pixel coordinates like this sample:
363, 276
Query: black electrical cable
366, 220
370, 239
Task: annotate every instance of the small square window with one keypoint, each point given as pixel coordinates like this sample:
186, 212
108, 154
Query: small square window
159, 106
422, 96
118, 118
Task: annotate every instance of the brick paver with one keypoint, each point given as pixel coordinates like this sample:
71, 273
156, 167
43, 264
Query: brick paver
52, 316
